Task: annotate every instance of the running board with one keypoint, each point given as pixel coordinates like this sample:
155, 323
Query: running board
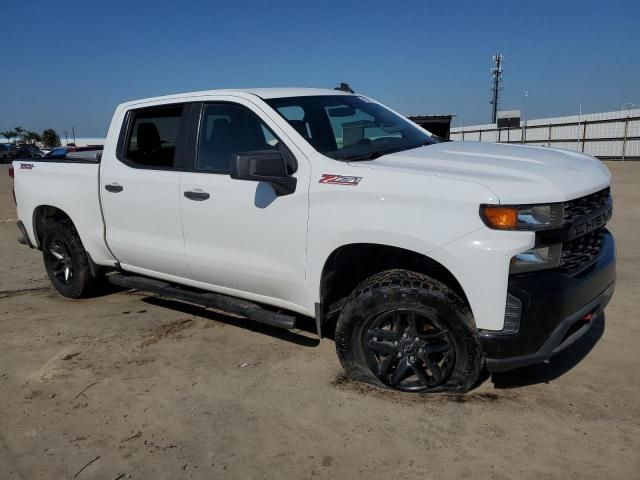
225, 303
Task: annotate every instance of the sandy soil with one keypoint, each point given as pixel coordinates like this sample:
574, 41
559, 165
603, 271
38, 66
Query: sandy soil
131, 386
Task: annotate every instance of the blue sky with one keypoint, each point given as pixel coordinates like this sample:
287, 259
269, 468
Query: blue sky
70, 63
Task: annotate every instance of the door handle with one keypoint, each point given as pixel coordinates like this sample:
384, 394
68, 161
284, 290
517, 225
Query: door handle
114, 188
197, 195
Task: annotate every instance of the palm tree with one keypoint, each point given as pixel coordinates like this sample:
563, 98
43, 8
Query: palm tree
8, 134
20, 132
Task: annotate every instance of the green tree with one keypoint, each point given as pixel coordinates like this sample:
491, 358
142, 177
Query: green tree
32, 137
8, 134
50, 138
20, 132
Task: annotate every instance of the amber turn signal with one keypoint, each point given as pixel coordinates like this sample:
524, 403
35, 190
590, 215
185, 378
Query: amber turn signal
499, 217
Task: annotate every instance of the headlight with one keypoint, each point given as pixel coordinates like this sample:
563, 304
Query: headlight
535, 259
522, 217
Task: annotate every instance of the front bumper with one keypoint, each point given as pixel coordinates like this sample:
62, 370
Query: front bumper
557, 309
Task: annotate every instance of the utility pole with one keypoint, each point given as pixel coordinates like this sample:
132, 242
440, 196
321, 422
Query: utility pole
66, 137
496, 85
73, 132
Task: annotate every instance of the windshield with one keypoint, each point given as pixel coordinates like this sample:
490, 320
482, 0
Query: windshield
350, 127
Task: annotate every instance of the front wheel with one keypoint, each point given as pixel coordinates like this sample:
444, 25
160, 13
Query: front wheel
406, 331
66, 260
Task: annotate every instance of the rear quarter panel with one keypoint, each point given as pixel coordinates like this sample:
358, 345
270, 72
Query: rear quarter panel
71, 187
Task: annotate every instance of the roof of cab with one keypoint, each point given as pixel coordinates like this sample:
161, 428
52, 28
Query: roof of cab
264, 93
292, 92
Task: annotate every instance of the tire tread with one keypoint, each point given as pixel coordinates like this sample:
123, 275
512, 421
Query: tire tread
393, 285
84, 286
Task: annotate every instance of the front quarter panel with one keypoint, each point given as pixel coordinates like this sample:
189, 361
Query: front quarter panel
421, 213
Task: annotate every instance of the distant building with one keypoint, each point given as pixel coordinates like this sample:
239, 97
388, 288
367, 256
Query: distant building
607, 135
439, 125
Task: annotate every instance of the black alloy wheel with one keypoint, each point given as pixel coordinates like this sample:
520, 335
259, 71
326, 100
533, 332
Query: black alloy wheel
404, 330
66, 261
408, 350
58, 255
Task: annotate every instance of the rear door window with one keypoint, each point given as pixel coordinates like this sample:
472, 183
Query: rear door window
153, 137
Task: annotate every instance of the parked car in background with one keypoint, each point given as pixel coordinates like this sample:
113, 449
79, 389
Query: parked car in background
8, 152
4, 153
61, 152
28, 150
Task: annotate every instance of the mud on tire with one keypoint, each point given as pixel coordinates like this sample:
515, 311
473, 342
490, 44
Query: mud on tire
404, 330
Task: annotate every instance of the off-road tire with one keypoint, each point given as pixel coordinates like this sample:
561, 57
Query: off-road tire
393, 291
62, 237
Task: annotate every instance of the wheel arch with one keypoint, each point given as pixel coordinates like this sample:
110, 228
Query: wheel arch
43, 214
350, 264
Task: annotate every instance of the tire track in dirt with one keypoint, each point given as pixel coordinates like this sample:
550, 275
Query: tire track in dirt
22, 291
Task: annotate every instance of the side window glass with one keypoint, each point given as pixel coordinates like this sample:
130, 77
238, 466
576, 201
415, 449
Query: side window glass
269, 137
295, 115
226, 129
153, 136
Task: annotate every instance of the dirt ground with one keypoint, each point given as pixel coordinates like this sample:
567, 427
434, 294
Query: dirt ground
131, 386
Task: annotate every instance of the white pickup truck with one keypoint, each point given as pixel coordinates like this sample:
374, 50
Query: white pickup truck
426, 261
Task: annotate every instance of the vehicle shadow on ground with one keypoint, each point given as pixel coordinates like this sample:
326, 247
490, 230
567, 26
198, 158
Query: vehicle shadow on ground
557, 366
304, 325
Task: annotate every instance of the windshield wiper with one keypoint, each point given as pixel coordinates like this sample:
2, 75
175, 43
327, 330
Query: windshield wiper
376, 154
379, 153
363, 156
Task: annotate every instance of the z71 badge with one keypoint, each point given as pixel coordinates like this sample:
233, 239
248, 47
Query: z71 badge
339, 179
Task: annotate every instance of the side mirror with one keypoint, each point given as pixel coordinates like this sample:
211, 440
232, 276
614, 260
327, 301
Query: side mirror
264, 166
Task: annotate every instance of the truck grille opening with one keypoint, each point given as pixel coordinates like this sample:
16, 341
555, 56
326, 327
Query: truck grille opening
580, 207
581, 252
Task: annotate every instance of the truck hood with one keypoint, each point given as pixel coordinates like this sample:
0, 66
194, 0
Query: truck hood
514, 173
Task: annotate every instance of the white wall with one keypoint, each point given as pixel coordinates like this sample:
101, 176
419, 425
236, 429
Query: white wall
605, 134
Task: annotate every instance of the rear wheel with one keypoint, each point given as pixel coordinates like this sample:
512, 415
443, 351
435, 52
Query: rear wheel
406, 331
66, 260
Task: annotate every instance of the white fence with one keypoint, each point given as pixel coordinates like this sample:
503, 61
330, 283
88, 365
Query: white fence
608, 135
